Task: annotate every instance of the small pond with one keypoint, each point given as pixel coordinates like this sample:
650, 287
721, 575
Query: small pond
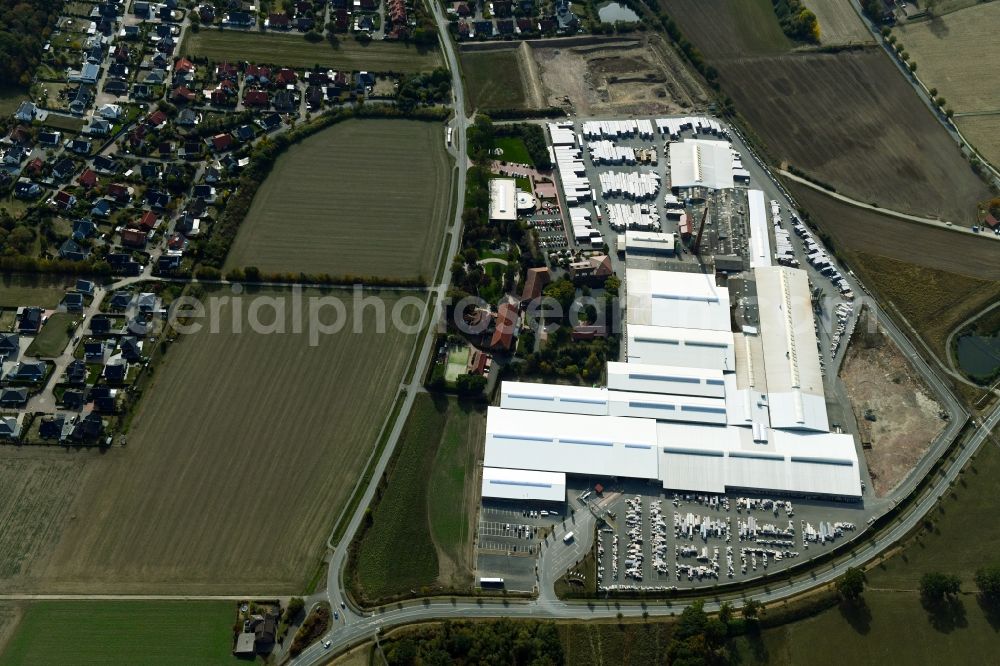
979, 355
611, 12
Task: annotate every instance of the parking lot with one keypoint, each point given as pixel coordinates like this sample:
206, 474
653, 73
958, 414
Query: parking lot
508, 539
657, 540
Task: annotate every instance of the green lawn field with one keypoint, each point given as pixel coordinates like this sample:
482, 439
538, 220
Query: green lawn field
122, 632
294, 51
493, 80
514, 150
54, 336
41, 291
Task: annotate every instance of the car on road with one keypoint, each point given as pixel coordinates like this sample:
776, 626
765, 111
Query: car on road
336, 615
326, 645
343, 605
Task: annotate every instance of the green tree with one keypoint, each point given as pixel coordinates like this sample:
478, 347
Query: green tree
936, 586
612, 285
752, 610
563, 291
988, 581
852, 585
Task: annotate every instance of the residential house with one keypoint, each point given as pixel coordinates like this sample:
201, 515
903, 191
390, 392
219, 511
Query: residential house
221, 142
116, 370
73, 302
80, 146
116, 86
102, 208
188, 118
35, 167
9, 346
10, 427
535, 281
85, 287
256, 99
132, 237
49, 138
73, 399
25, 189
122, 194
244, 133
88, 178
182, 95
591, 270
156, 119
63, 169
70, 250
157, 200
26, 112
64, 200
239, 19
131, 349
120, 300
270, 122
83, 228
278, 22
13, 397
28, 371
148, 221
76, 372
104, 164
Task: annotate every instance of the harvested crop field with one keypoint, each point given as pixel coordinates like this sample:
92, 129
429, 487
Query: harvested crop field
495, 79
37, 489
619, 75
838, 23
850, 119
882, 385
958, 54
132, 632
240, 456
983, 132
859, 230
362, 198
294, 51
723, 28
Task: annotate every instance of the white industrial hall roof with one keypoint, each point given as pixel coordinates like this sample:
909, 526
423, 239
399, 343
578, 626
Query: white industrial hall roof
760, 240
523, 484
701, 163
696, 406
682, 300
503, 199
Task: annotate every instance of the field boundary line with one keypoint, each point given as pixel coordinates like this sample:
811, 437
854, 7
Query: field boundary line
939, 224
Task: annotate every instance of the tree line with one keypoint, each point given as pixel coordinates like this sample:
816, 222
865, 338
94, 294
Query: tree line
24, 29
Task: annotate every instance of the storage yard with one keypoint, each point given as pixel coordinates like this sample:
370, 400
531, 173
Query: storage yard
321, 211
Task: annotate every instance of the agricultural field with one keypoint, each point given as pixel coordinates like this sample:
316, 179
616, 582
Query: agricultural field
958, 54
10, 616
132, 632
729, 28
37, 489
494, 80
41, 290
363, 198
421, 534
631, 644
983, 132
240, 456
854, 229
838, 23
887, 150
51, 341
294, 51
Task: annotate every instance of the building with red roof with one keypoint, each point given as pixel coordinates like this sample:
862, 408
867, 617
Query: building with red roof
506, 324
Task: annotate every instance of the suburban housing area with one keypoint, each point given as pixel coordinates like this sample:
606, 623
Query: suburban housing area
532, 331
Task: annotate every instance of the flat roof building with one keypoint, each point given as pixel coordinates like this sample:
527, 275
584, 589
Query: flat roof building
523, 484
701, 163
503, 200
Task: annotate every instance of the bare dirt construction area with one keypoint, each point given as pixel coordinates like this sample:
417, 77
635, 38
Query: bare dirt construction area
895, 412
240, 457
640, 76
839, 24
850, 119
